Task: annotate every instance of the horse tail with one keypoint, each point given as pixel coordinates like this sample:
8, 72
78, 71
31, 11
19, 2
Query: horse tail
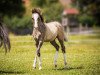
4, 38
61, 33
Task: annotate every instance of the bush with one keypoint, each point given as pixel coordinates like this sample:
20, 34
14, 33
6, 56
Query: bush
19, 25
23, 25
86, 19
53, 12
51, 9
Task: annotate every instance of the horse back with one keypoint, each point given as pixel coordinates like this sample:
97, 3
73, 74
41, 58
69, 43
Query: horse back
53, 30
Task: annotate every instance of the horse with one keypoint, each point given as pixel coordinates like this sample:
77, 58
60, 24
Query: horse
4, 37
47, 32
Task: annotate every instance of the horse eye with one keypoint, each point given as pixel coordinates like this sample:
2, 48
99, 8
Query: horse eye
38, 19
33, 19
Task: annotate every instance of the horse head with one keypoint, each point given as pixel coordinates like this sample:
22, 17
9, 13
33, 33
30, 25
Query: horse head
37, 16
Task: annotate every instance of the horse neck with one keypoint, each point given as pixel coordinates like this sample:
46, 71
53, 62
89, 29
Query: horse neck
42, 27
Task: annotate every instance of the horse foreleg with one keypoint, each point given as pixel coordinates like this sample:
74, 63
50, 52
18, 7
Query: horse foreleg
35, 59
38, 54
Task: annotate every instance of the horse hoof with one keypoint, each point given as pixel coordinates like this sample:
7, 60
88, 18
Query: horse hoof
66, 66
55, 66
40, 68
65, 63
34, 67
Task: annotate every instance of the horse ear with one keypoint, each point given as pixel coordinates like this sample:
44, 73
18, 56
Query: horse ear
39, 11
33, 10
36, 10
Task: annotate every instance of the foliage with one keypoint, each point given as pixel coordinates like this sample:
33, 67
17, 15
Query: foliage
11, 7
52, 13
51, 9
12, 11
86, 19
19, 25
43, 3
90, 7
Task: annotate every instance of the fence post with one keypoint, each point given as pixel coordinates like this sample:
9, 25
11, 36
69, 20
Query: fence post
80, 28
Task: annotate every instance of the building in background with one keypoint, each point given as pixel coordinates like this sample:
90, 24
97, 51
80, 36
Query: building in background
69, 15
70, 18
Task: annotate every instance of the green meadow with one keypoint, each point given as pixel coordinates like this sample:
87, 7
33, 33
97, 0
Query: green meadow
83, 57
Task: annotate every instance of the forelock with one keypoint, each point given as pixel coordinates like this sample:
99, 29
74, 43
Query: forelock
36, 10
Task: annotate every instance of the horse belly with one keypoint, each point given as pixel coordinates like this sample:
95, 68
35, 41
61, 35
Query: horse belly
50, 38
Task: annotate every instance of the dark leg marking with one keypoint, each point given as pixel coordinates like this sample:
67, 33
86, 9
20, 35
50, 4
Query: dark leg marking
55, 45
62, 45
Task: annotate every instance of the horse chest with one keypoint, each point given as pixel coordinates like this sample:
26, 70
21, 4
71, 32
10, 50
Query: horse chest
36, 34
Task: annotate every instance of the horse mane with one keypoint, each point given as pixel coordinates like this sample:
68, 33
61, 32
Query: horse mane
38, 10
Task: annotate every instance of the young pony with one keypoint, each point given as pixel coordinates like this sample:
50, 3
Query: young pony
47, 32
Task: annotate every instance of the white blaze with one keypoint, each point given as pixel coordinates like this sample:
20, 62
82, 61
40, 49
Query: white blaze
35, 16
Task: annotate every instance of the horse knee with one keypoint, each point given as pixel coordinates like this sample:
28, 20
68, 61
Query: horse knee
38, 53
63, 49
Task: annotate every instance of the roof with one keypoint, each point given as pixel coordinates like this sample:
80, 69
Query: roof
70, 11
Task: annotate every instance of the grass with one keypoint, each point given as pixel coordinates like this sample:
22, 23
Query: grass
83, 57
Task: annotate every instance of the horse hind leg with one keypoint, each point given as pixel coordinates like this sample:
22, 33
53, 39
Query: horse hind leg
56, 54
63, 50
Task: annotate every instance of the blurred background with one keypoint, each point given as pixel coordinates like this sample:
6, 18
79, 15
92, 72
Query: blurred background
80, 19
77, 16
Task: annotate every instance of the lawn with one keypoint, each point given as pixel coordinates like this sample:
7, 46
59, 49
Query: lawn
83, 57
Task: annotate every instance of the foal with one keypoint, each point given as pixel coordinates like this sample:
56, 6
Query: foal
47, 32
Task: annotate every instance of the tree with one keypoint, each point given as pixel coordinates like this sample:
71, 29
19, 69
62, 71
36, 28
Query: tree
51, 9
90, 7
11, 7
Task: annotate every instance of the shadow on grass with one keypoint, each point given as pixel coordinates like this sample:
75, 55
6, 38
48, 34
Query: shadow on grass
10, 72
70, 68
